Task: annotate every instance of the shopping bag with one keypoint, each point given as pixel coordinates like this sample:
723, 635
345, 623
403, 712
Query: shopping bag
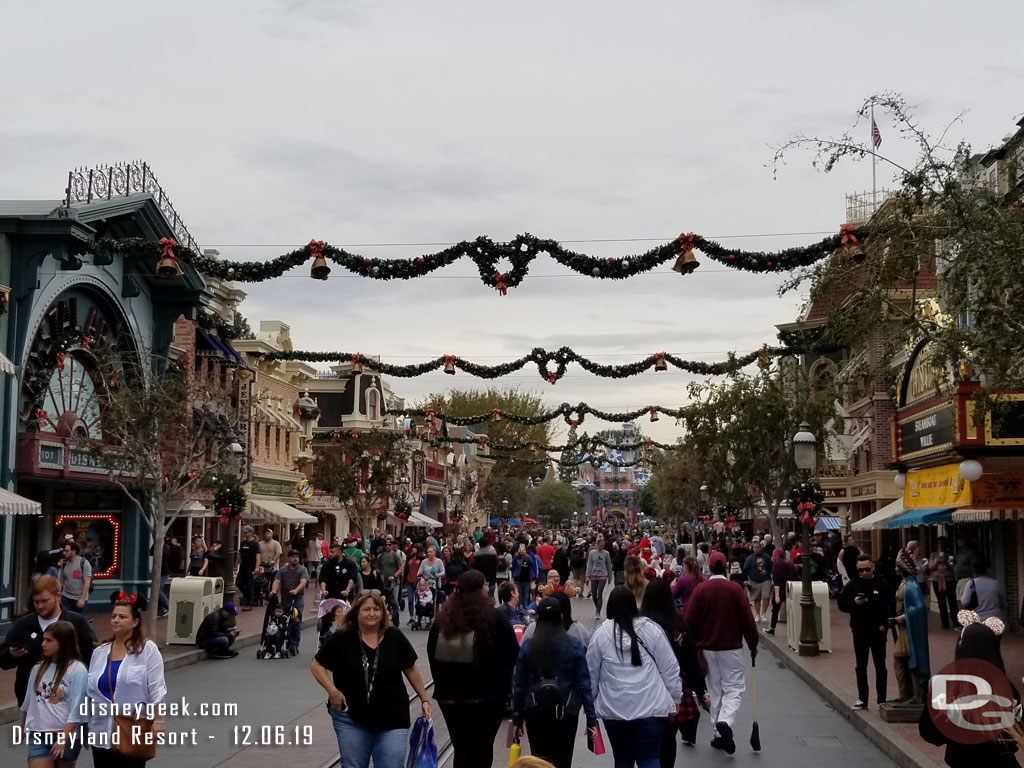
595, 743
514, 752
422, 745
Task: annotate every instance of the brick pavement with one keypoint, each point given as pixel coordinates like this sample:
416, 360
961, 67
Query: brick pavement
832, 676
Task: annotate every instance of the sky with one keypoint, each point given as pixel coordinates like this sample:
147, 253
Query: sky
390, 127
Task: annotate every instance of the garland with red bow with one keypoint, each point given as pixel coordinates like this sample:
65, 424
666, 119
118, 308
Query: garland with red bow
805, 500
520, 251
229, 500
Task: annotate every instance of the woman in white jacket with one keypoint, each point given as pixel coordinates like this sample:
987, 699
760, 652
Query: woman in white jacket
128, 671
635, 678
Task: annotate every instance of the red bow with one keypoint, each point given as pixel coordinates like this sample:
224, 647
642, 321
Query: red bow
60, 361
573, 424
316, 248
168, 243
499, 283
846, 236
552, 377
355, 434
686, 241
86, 341
482, 441
806, 510
123, 597
41, 417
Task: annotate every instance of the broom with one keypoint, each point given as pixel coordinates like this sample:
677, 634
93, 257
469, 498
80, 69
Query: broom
755, 731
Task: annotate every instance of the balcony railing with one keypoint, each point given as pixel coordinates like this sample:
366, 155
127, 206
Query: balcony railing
861, 206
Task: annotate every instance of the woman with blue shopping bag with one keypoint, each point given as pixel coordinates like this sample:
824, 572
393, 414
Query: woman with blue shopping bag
367, 698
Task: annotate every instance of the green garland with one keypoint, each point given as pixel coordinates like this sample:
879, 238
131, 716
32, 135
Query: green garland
43, 361
486, 254
551, 364
574, 415
209, 321
229, 495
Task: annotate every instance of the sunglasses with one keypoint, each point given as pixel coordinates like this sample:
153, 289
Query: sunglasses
865, 570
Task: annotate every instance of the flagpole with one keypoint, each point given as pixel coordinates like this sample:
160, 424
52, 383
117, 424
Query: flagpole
874, 159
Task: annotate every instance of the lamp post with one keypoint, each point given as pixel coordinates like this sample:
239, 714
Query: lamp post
803, 457
504, 510
235, 451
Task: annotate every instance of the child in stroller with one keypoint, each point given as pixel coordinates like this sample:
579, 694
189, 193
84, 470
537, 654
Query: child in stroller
329, 617
425, 602
276, 639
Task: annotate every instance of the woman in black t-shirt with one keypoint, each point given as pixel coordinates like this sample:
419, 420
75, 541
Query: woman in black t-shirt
367, 699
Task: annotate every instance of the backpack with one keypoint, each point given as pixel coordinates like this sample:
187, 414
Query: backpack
735, 569
577, 559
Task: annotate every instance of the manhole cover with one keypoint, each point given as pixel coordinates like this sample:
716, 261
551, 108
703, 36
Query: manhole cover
821, 742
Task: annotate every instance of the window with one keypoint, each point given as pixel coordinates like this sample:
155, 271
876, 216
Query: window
266, 444
277, 442
372, 404
288, 446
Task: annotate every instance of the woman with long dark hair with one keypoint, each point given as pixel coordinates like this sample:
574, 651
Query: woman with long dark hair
572, 628
551, 684
472, 651
635, 678
782, 571
659, 607
52, 710
370, 575
978, 641
129, 672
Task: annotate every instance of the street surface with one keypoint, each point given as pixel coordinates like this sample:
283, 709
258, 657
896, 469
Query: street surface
278, 699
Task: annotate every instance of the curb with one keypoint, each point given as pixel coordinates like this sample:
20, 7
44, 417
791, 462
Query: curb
193, 655
891, 743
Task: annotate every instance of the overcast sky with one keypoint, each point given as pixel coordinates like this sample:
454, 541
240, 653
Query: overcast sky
364, 123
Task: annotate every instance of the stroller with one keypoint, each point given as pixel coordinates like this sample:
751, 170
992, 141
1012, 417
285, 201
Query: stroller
262, 581
324, 619
276, 638
426, 607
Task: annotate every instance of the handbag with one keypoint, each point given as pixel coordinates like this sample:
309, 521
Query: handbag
422, 745
974, 597
133, 739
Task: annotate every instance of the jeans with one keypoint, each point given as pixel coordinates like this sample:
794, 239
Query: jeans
552, 739
71, 604
864, 642
636, 742
597, 592
472, 728
410, 598
245, 583
776, 606
357, 745
524, 593
946, 598
296, 629
213, 644
161, 599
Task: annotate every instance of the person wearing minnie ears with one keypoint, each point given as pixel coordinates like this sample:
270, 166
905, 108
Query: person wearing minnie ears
52, 710
129, 672
23, 646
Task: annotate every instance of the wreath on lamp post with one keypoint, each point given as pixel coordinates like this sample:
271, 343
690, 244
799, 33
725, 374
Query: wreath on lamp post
805, 499
229, 501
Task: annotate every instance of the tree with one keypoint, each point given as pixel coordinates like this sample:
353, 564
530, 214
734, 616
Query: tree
739, 431
166, 432
362, 469
508, 480
944, 219
554, 501
674, 488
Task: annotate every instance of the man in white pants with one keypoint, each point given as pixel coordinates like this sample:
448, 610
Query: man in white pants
718, 615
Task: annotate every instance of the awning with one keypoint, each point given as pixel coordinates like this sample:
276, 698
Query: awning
209, 346
878, 519
972, 515
922, 517
13, 504
6, 366
417, 520
231, 351
827, 523
279, 511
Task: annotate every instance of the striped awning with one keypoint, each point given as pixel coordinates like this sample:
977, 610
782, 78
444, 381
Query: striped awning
278, 511
6, 366
13, 504
972, 515
828, 523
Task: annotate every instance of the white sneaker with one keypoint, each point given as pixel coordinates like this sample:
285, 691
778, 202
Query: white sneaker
757, 618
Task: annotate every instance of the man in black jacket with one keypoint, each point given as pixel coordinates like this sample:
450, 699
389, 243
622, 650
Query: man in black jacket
871, 603
24, 643
218, 632
340, 578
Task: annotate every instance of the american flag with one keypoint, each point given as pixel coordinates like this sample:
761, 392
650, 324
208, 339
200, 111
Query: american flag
876, 136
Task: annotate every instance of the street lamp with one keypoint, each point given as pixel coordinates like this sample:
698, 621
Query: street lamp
233, 462
803, 456
504, 510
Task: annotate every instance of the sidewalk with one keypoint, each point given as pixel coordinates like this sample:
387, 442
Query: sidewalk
832, 676
249, 622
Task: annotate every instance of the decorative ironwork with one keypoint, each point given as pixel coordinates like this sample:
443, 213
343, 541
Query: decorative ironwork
105, 182
861, 206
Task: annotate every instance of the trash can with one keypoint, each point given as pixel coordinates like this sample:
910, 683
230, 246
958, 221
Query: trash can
794, 614
191, 599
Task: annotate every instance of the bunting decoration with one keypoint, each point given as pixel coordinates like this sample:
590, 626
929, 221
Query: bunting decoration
485, 253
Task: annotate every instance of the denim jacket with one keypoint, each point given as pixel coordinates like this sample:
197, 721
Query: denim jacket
572, 674
517, 564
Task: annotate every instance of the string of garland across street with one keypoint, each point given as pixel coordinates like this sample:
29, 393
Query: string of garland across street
486, 254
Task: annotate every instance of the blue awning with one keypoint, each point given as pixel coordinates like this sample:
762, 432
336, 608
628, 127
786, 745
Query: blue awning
827, 523
231, 351
208, 346
915, 517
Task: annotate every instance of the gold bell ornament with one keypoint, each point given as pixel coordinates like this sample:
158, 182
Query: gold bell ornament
167, 267
686, 262
319, 270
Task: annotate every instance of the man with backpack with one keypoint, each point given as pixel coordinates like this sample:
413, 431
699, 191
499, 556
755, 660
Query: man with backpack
578, 563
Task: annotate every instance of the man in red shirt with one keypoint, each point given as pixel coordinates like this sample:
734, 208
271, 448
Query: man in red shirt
718, 615
546, 553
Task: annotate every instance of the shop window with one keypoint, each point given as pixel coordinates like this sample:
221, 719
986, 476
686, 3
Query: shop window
277, 443
372, 402
266, 444
288, 446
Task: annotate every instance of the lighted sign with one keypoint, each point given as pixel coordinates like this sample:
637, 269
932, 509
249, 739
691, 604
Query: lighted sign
98, 538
